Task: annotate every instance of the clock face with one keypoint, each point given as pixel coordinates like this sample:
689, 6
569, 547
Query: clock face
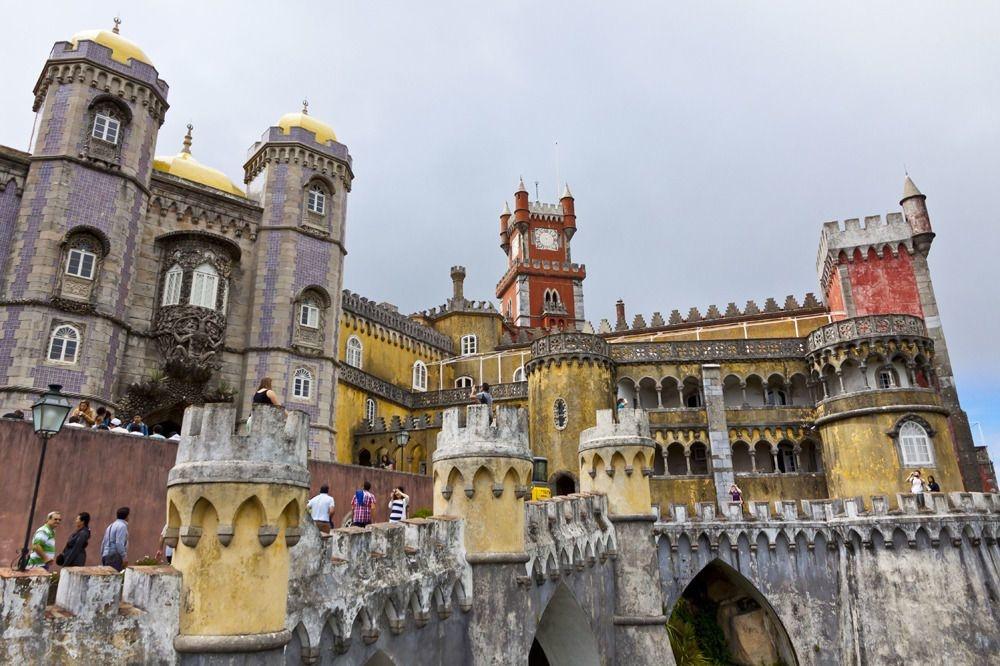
547, 239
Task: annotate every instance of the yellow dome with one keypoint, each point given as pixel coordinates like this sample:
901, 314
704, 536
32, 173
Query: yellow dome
322, 131
121, 48
184, 166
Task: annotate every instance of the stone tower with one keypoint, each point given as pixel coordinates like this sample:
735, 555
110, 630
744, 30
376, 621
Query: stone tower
880, 267
233, 508
300, 174
481, 473
570, 377
616, 459
541, 288
69, 261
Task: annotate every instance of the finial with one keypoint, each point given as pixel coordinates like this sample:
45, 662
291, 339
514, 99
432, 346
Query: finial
520, 185
566, 193
118, 22
187, 140
506, 209
536, 191
305, 107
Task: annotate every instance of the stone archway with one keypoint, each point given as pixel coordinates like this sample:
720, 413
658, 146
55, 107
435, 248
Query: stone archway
725, 618
563, 636
380, 659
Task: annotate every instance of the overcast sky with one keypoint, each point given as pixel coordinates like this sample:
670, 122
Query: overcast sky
705, 143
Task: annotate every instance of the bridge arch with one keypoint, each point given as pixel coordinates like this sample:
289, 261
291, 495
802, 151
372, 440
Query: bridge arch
564, 636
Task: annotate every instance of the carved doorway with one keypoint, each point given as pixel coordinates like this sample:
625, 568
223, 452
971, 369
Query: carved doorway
563, 636
723, 618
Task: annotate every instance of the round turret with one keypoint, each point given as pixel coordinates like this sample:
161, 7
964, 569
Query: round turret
914, 205
616, 458
303, 120
504, 223
569, 212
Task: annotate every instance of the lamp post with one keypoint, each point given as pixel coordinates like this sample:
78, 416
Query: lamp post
48, 416
402, 437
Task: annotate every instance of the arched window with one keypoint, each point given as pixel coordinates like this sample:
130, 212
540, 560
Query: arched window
775, 397
172, 286
699, 458
786, 458
80, 263
302, 382
915, 445
887, 378
309, 314
463, 382
420, 376
316, 202
105, 127
354, 352
560, 413
204, 287
470, 344
518, 375
693, 399
371, 411
64, 344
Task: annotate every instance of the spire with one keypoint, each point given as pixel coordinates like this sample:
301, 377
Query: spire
187, 140
566, 193
506, 209
520, 185
305, 107
118, 22
909, 189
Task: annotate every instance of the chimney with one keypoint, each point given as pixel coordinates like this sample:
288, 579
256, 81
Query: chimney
620, 323
457, 281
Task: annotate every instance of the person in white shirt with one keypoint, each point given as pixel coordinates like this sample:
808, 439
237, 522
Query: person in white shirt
116, 426
157, 432
321, 509
398, 503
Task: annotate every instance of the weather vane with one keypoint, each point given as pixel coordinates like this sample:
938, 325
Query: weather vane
118, 22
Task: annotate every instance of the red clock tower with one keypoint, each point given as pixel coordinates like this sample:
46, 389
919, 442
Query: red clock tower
541, 288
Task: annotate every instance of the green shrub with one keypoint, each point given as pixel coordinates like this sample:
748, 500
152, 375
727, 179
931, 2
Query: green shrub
422, 513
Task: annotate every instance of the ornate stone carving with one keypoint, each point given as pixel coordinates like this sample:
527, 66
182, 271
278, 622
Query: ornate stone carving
371, 311
707, 350
190, 340
866, 327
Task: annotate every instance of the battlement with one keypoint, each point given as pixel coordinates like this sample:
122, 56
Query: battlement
873, 232
506, 436
566, 534
368, 309
274, 451
102, 55
631, 429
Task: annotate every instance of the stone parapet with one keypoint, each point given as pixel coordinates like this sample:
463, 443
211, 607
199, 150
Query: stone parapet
631, 429
566, 534
481, 437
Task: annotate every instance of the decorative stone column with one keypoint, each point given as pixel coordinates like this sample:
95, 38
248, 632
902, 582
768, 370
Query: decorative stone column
233, 509
718, 432
616, 459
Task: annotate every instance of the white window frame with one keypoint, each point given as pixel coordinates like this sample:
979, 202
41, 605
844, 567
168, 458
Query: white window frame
68, 337
172, 286
309, 314
204, 287
470, 344
302, 381
371, 411
354, 352
82, 256
419, 376
316, 200
106, 128
465, 381
518, 375
889, 372
912, 438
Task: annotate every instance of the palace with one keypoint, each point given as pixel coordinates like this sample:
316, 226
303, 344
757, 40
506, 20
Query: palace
149, 283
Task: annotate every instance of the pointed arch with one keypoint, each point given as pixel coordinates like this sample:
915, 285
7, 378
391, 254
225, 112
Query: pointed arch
564, 634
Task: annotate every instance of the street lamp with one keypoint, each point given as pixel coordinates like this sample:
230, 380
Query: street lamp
48, 416
402, 437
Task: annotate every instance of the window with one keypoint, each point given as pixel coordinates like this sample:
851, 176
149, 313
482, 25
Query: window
420, 376
559, 413
309, 314
105, 128
172, 286
470, 344
354, 350
371, 411
80, 263
915, 445
886, 378
518, 375
204, 287
693, 400
64, 344
775, 397
302, 382
463, 382
699, 458
317, 200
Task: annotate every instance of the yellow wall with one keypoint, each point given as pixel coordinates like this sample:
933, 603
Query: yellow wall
627, 488
387, 355
485, 326
771, 487
666, 491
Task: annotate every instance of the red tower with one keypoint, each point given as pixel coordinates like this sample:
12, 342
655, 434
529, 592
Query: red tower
541, 288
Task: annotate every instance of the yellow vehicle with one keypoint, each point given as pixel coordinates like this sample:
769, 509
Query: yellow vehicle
540, 489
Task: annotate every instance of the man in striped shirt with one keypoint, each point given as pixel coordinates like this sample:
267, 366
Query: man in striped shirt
43, 544
362, 504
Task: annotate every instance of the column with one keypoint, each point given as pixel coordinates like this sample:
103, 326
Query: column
718, 432
659, 396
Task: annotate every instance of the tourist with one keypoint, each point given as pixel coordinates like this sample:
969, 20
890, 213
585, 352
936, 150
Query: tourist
620, 404
114, 545
157, 432
932, 485
264, 394
102, 421
116, 426
916, 483
137, 427
75, 422
386, 463
16, 415
362, 505
321, 509
736, 493
398, 503
482, 395
43, 544
164, 551
85, 412
74, 554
